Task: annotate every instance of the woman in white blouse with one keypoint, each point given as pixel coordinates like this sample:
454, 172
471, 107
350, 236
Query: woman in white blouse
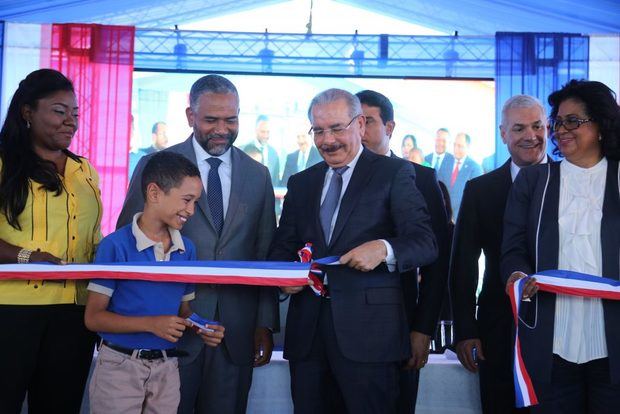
566, 215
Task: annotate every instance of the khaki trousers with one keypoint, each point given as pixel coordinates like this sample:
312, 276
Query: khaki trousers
126, 384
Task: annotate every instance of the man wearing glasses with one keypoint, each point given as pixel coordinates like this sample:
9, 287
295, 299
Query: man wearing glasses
346, 345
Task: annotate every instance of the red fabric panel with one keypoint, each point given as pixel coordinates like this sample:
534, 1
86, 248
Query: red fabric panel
99, 61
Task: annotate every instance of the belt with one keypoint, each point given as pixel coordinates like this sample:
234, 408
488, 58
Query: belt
149, 354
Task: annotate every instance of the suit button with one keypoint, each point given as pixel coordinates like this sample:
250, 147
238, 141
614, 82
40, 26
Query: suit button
221, 252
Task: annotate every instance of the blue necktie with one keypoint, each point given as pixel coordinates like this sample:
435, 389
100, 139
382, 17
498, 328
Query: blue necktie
328, 208
214, 194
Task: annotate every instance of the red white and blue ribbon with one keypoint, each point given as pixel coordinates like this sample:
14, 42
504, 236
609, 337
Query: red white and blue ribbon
219, 272
525, 395
554, 281
316, 276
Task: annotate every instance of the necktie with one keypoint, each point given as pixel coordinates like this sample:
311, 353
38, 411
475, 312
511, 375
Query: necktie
436, 166
455, 173
328, 208
214, 194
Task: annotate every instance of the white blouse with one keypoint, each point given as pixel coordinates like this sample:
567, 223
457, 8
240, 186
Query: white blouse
579, 331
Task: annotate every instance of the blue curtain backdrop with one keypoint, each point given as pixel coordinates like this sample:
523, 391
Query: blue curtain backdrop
535, 64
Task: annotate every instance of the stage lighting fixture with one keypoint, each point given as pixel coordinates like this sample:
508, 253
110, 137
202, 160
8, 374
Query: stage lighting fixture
357, 56
266, 55
180, 49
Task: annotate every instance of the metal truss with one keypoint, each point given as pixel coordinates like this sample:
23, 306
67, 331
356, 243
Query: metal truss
340, 55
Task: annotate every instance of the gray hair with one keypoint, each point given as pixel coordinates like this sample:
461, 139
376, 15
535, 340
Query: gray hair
332, 95
522, 101
212, 84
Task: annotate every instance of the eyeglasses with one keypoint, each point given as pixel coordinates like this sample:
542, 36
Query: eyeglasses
569, 123
336, 131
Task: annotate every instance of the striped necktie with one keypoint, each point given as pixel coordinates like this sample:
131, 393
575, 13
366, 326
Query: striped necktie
214, 194
330, 203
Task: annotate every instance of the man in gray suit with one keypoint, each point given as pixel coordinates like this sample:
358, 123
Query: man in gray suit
235, 221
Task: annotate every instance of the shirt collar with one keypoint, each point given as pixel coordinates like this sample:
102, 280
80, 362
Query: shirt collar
71, 166
143, 242
259, 145
353, 162
575, 169
514, 168
202, 155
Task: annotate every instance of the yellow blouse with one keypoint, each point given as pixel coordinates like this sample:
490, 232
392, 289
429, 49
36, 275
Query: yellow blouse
67, 226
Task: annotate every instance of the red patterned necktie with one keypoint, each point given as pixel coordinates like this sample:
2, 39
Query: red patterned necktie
455, 173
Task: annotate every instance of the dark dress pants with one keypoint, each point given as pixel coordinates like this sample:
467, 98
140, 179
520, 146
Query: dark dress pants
578, 389
328, 382
45, 351
212, 384
409, 380
497, 392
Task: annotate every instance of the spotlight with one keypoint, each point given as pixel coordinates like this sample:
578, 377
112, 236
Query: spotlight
266, 55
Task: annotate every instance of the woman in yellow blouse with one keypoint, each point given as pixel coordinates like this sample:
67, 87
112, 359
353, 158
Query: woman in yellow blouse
50, 211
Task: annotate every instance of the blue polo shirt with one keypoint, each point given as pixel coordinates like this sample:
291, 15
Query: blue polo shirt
138, 297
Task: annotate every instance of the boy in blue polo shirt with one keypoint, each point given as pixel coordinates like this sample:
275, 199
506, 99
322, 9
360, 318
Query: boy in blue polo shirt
140, 321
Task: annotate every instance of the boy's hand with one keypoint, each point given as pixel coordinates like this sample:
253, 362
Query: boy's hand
213, 338
168, 327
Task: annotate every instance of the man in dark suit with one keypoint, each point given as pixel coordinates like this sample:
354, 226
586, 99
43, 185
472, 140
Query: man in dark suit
441, 159
479, 228
462, 169
306, 156
269, 157
423, 309
234, 221
346, 351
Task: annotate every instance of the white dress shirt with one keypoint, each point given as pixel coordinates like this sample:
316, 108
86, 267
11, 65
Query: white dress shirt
437, 159
224, 170
346, 178
302, 159
579, 330
514, 168
264, 150
458, 164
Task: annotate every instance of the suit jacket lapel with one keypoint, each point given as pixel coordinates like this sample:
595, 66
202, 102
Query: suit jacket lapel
549, 235
361, 175
610, 237
315, 190
505, 179
463, 175
445, 170
187, 150
238, 179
